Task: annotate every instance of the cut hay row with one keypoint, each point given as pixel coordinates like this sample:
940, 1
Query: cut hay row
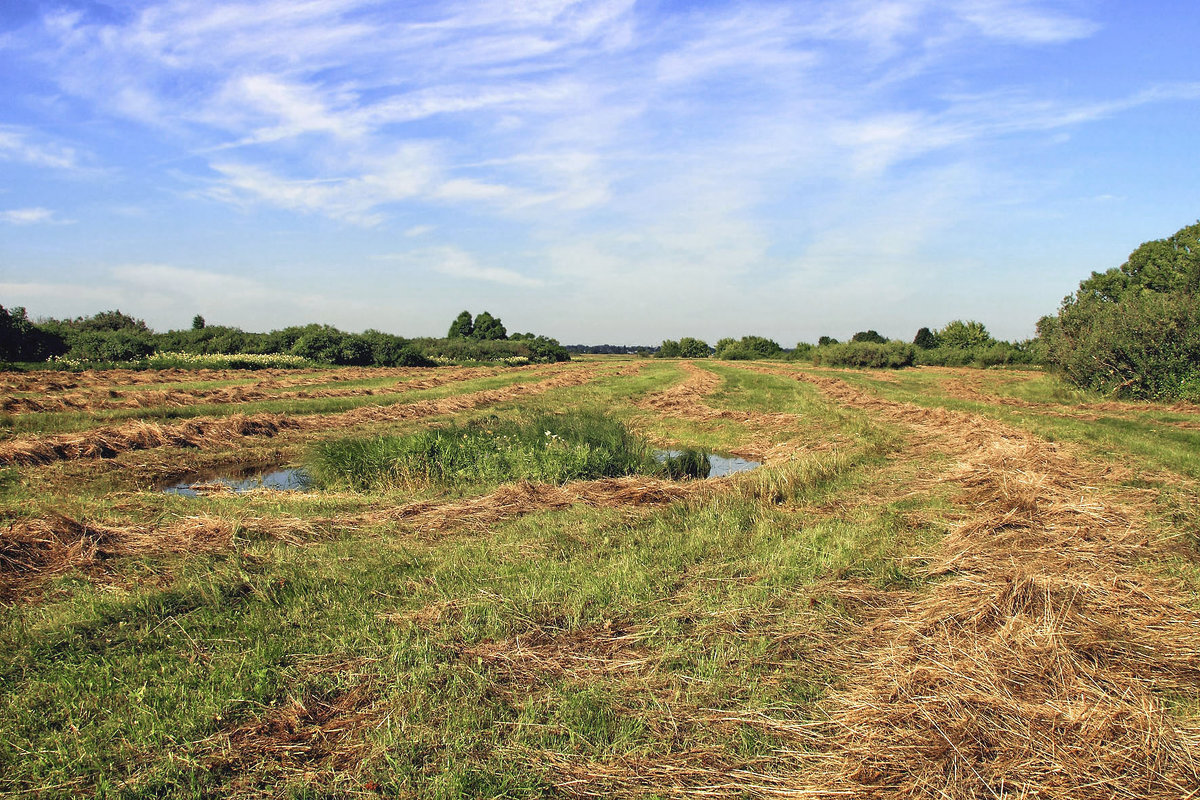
104, 400
49, 381
301, 733
1041, 665
684, 401
208, 432
33, 551
517, 499
965, 385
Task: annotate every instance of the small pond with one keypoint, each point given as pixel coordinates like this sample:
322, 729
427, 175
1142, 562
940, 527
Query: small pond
293, 479
718, 466
243, 480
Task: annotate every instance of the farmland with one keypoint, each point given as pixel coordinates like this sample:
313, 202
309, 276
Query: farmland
940, 582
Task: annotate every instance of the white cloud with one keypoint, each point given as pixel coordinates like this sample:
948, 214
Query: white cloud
455, 262
1024, 22
28, 216
22, 145
168, 296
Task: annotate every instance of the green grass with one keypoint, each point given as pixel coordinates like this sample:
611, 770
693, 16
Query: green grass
137, 683
486, 658
546, 448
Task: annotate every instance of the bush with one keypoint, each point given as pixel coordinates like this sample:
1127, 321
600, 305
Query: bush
21, 340
1134, 331
693, 348
109, 346
802, 352
960, 335
540, 349
892, 355
748, 348
668, 349
1145, 347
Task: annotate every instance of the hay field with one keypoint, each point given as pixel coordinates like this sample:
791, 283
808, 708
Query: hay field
941, 583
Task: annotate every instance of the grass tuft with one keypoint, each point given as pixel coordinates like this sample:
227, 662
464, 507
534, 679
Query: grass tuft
547, 448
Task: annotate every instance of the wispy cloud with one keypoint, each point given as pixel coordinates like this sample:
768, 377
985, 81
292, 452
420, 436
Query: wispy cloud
455, 262
27, 216
694, 150
28, 147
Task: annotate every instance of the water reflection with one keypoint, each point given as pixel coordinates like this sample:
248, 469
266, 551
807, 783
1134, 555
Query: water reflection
718, 466
282, 480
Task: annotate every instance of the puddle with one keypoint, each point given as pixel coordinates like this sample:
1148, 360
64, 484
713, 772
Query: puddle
718, 466
283, 480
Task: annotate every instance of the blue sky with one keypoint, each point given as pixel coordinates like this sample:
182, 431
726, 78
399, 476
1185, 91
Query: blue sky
599, 171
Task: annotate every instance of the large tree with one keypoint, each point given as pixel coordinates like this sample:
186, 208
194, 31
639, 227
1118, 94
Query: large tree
871, 336
690, 347
964, 335
462, 326
488, 327
1134, 330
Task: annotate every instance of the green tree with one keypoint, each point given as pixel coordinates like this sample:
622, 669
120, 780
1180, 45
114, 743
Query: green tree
962, 335
197, 323
869, 336
462, 327
692, 348
1134, 330
110, 321
669, 349
825, 341
21, 340
761, 346
488, 327
926, 339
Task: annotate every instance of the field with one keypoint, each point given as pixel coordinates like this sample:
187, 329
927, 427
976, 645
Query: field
940, 583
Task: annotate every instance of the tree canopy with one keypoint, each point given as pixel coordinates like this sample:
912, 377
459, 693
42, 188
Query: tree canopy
488, 327
462, 326
1134, 330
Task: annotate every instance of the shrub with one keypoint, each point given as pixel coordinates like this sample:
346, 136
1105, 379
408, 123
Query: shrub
1134, 331
802, 352
21, 340
693, 348
892, 355
109, 346
668, 349
748, 348
962, 335
540, 349
226, 361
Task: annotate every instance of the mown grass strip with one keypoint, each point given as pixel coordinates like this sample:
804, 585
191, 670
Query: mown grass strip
67, 422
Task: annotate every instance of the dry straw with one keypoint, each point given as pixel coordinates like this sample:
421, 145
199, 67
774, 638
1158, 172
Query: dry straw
105, 442
1041, 664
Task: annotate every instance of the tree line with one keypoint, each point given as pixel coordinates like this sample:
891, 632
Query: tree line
959, 343
113, 337
1131, 331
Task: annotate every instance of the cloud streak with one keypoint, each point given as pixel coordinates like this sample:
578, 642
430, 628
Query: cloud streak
699, 152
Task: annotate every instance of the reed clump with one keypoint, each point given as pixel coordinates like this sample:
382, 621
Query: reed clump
548, 448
